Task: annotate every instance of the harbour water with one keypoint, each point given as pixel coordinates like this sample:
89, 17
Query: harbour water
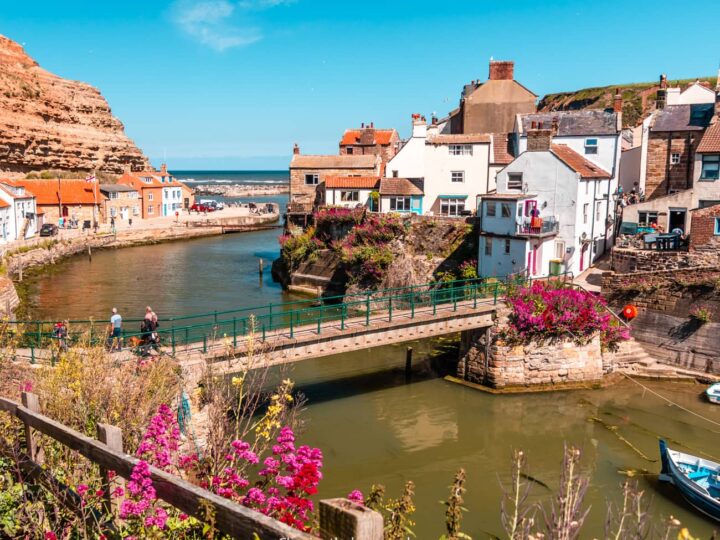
375, 427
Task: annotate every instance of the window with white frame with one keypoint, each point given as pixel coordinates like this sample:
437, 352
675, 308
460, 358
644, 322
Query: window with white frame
400, 204
114, 195
452, 207
598, 208
136, 210
150, 209
710, 167
151, 196
490, 209
515, 181
559, 249
591, 146
674, 158
312, 179
505, 210
457, 176
647, 218
349, 196
147, 179
488, 246
460, 149
113, 211
507, 246
586, 210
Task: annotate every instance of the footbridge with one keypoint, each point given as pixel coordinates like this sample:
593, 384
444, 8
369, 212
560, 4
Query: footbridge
291, 331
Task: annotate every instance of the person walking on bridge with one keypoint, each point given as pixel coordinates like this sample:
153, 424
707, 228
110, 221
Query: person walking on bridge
116, 330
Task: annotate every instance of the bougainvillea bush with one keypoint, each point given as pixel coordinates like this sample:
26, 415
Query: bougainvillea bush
546, 311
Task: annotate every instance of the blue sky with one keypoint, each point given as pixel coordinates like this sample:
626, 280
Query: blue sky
223, 84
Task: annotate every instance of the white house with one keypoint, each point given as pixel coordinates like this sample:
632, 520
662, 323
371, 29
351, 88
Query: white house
350, 191
401, 195
694, 94
549, 215
18, 211
171, 198
456, 169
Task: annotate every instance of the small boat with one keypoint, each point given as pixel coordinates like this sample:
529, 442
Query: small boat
713, 393
697, 479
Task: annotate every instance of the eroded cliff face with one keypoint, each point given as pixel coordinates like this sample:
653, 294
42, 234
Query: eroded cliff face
47, 122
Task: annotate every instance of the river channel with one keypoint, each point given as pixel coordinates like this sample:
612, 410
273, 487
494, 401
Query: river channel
375, 427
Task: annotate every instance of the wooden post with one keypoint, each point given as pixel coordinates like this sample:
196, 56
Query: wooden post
260, 267
21, 270
31, 402
89, 253
408, 362
341, 518
111, 436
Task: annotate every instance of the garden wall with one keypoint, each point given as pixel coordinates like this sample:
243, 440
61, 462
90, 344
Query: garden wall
627, 261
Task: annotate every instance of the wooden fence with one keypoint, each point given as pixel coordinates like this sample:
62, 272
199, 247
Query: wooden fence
339, 518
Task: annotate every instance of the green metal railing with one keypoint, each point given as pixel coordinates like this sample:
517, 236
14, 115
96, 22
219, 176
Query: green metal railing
291, 319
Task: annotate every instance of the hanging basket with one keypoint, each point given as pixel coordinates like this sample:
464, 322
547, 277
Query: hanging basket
630, 312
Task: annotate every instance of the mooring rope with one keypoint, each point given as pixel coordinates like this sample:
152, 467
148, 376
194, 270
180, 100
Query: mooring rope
671, 402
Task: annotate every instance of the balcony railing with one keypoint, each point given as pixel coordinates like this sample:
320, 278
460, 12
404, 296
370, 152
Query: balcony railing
299, 208
538, 227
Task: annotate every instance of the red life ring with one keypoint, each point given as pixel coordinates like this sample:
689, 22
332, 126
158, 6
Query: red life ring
630, 312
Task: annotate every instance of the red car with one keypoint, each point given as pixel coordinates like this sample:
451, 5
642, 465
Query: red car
199, 207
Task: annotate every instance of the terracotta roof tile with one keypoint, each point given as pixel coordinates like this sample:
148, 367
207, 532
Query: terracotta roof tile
382, 136
467, 138
4, 204
398, 186
356, 182
65, 191
578, 163
711, 139
300, 161
502, 150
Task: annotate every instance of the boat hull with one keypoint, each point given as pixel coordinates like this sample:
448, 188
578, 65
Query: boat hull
713, 394
691, 491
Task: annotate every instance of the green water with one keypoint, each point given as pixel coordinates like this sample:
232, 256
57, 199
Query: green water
373, 426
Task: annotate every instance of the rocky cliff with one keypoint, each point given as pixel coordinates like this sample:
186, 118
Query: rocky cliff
638, 98
47, 122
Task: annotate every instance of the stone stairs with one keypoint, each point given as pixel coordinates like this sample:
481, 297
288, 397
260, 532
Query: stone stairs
632, 358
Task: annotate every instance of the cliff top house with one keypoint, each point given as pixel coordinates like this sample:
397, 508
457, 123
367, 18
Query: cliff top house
491, 106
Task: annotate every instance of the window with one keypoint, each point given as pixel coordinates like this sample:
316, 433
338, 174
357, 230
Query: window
132, 195
150, 209
717, 226
490, 209
460, 149
400, 204
349, 196
113, 211
147, 179
488, 246
114, 195
705, 204
505, 209
349, 150
136, 210
598, 207
591, 146
395, 173
507, 246
452, 207
151, 196
457, 176
559, 249
586, 209
515, 181
647, 218
674, 159
312, 179
587, 188
710, 167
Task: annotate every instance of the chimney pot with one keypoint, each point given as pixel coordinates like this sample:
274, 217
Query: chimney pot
533, 125
617, 101
296, 149
663, 81
362, 126
502, 70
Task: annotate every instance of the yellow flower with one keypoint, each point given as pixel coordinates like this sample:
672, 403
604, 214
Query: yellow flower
237, 381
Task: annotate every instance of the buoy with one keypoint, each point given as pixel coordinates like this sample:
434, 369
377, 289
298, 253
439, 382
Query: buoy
630, 312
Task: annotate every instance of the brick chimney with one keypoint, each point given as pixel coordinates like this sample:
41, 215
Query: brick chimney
296, 149
661, 98
502, 70
539, 138
617, 101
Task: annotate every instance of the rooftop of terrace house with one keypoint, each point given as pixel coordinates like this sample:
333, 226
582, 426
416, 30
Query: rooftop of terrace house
332, 161
368, 135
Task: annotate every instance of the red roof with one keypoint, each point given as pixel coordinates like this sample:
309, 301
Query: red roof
135, 179
711, 139
65, 191
382, 136
355, 182
398, 186
586, 169
4, 204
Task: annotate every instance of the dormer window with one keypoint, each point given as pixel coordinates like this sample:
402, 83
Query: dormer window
147, 179
591, 146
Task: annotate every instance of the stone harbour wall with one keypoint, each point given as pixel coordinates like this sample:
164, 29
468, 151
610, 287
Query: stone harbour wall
628, 261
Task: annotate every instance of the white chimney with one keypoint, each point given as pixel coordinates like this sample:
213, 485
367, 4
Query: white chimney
419, 126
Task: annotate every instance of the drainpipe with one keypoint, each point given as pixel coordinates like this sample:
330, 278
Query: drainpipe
592, 227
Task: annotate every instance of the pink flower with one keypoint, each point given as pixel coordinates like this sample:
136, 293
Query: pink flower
356, 496
82, 489
49, 535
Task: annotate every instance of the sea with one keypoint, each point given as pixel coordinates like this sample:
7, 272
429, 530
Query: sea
252, 178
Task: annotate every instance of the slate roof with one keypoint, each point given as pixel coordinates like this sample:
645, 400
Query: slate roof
116, 188
578, 163
400, 186
574, 123
683, 117
467, 138
710, 141
354, 136
354, 182
300, 161
502, 149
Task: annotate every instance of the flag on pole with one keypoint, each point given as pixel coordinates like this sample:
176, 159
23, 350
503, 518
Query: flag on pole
90, 178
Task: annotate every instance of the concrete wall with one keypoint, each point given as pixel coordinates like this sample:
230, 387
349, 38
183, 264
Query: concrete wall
500, 263
630, 168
